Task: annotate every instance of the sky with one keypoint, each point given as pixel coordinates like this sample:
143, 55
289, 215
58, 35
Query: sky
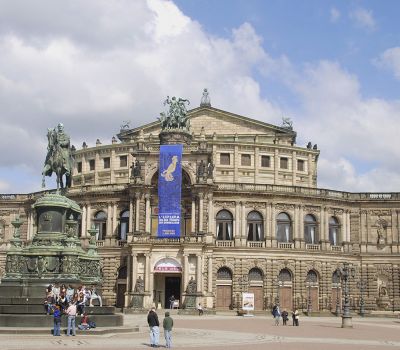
333, 67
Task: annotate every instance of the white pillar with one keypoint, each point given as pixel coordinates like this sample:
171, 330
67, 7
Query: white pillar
236, 231
147, 273
210, 276
201, 195
88, 220
185, 270
243, 233
133, 271
109, 220
83, 222
199, 273
193, 214
137, 213
130, 215
211, 223
348, 227
148, 213
114, 220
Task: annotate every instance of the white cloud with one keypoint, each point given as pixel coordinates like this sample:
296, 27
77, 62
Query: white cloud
391, 59
363, 18
4, 186
334, 14
93, 64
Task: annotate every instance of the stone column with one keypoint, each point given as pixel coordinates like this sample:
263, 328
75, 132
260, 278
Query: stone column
131, 228
211, 220
276, 167
210, 272
343, 236
199, 273
115, 220
88, 220
83, 222
193, 214
294, 167
348, 227
201, 195
267, 228
129, 281
148, 213
112, 160
310, 170
137, 213
236, 228
109, 220
273, 225
96, 168
301, 224
185, 270
243, 233
147, 274
296, 226
133, 271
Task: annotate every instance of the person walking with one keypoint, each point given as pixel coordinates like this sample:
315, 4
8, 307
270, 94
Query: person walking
57, 321
200, 309
168, 323
71, 312
277, 314
296, 317
154, 324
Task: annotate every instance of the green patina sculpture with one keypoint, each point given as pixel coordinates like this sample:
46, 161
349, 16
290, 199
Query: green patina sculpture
176, 117
59, 156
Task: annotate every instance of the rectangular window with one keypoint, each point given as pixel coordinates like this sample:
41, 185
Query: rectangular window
123, 161
300, 165
265, 161
246, 159
225, 159
92, 164
106, 163
284, 162
79, 167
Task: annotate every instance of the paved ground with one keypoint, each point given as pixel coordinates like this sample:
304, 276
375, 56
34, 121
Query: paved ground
218, 332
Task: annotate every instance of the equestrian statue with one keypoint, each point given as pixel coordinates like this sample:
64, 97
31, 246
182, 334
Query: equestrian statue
59, 157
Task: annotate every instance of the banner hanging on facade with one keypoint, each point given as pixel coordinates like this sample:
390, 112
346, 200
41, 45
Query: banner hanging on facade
169, 191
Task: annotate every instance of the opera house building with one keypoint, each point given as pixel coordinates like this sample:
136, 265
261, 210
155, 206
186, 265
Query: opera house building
252, 219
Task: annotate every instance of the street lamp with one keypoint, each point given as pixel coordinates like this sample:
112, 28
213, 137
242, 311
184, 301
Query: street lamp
345, 273
361, 284
309, 302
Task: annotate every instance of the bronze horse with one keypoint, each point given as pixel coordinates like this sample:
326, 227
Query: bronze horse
55, 162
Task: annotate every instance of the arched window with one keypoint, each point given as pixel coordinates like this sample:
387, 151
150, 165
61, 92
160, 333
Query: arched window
312, 276
334, 229
255, 226
285, 276
100, 223
283, 228
224, 274
224, 226
123, 225
310, 230
255, 274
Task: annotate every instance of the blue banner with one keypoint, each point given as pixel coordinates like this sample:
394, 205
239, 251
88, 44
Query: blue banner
169, 191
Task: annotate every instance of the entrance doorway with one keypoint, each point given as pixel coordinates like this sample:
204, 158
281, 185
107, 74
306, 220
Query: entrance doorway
172, 287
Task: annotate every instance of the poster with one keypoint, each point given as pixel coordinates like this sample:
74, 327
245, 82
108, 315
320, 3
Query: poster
248, 301
169, 191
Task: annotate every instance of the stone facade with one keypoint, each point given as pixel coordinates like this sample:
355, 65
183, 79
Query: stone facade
253, 220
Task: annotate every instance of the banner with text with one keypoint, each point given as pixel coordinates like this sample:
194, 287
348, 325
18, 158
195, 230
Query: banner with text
169, 191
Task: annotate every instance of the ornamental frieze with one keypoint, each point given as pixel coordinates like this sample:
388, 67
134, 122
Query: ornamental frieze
311, 209
380, 212
255, 205
225, 204
335, 211
284, 206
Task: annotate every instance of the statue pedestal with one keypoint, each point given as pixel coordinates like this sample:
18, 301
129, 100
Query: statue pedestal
175, 136
137, 301
347, 322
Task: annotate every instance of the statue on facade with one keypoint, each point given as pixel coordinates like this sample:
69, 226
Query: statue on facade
176, 116
139, 286
381, 230
136, 169
210, 169
201, 169
191, 287
205, 99
59, 156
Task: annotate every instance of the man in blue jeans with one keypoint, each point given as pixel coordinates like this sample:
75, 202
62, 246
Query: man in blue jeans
71, 312
154, 324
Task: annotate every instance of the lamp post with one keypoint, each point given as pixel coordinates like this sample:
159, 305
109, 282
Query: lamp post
361, 284
345, 273
309, 302
337, 311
